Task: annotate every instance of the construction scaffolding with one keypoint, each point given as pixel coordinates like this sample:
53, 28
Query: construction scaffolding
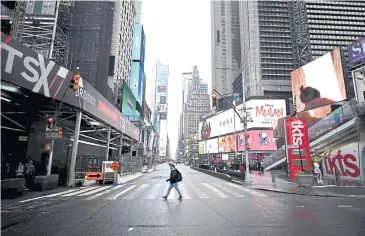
42, 26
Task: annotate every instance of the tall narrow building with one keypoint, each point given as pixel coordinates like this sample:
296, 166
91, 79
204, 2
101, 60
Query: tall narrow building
225, 48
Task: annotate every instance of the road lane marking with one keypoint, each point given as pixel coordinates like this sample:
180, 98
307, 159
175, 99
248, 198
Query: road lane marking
152, 194
220, 193
136, 192
81, 191
95, 191
102, 193
229, 191
200, 193
172, 194
120, 193
51, 195
247, 190
344, 206
183, 191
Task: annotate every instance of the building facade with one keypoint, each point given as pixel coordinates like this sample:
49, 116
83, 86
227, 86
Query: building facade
138, 6
121, 47
226, 49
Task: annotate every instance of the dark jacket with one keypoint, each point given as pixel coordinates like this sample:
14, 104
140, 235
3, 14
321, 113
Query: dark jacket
173, 176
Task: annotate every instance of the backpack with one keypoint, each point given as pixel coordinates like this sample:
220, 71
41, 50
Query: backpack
179, 176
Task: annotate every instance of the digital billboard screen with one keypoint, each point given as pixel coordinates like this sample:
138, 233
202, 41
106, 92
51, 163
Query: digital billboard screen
356, 51
137, 81
129, 102
161, 88
226, 144
359, 84
319, 83
212, 145
258, 140
163, 116
162, 107
139, 41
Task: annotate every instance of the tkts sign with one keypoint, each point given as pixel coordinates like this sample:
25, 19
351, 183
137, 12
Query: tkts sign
25, 68
297, 143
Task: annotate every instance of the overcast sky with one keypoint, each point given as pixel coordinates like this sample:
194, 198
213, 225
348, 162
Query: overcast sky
178, 35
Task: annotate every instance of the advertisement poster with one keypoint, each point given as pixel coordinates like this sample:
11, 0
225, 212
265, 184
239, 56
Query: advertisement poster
163, 99
202, 148
264, 114
346, 159
129, 102
319, 83
356, 51
259, 140
139, 41
297, 145
359, 83
162, 107
163, 116
212, 145
161, 88
137, 78
227, 144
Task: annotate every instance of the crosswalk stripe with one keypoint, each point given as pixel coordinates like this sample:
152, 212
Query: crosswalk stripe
228, 190
120, 193
200, 193
172, 194
247, 190
184, 192
220, 193
136, 192
95, 191
152, 194
50, 195
81, 191
102, 193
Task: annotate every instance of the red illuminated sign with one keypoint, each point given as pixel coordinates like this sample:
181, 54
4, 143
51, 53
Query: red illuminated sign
297, 135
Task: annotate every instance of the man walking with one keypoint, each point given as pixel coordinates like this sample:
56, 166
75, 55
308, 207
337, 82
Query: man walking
175, 177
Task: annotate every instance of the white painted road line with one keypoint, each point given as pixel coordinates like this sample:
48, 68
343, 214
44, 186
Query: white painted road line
184, 193
200, 193
247, 190
121, 193
228, 191
95, 191
51, 195
173, 194
81, 191
344, 206
102, 193
135, 193
219, 193
152, 194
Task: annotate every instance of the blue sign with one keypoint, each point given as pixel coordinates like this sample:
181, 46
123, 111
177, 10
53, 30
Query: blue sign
356, 51
139, 42
137, 81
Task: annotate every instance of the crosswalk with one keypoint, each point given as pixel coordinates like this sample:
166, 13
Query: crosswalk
155, 191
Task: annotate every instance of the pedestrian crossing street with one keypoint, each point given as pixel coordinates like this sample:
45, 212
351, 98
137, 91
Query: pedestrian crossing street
155, 191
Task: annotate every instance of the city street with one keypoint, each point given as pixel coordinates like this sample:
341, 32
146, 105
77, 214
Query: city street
210, 206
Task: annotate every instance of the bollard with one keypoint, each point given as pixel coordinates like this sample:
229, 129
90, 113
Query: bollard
337, 176
273, 177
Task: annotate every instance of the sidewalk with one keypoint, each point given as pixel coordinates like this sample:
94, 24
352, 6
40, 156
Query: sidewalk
264, 182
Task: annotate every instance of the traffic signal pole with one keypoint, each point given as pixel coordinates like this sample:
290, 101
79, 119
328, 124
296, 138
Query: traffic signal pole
71, 176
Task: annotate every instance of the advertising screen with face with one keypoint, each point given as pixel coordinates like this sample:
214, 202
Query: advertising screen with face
319, 83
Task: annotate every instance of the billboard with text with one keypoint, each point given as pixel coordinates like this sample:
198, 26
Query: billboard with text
137, 81
259, 140
139, 41
212, 145
356, 51
129, 102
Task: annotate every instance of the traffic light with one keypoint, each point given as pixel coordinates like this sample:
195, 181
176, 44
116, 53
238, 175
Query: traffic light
214, 100
50, 122
75, 82
60, 133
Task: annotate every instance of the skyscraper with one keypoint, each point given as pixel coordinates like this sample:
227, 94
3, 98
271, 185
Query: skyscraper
121, 47
138, 6
197, 105
226, 49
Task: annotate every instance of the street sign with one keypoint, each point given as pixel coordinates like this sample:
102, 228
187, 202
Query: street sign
94, 175
115, 166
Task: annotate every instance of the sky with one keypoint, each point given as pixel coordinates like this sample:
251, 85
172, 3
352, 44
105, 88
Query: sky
177, 34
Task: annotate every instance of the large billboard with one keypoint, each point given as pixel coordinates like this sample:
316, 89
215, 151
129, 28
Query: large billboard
129, 102
49, 79
356, 51
297, 145
212, 145
139, 41
226, 144
258, 140
264, 114
162, 108
163, 138
319, 83
137, 81
359, 83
